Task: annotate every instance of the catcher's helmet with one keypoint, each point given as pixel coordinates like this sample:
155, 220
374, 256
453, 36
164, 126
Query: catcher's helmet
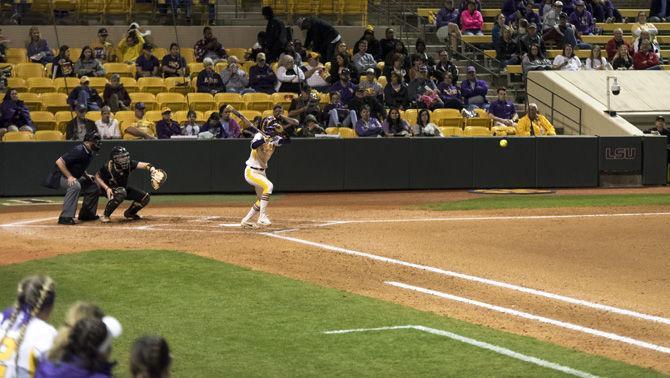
93, 136
120, 157
269, 126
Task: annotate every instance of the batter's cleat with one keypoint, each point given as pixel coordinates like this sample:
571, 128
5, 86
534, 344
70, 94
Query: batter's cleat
66, 221
105, 219
249, 225
130, 216
263, 220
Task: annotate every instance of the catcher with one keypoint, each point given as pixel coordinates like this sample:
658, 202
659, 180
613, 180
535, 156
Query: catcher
262, 146
113, 181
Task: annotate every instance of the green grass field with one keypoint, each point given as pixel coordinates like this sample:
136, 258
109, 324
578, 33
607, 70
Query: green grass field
222, 320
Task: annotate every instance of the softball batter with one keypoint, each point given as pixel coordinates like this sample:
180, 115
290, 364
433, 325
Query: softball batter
262, 146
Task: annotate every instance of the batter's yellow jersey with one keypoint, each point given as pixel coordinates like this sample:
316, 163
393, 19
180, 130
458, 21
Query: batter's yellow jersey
36, 343
260, 156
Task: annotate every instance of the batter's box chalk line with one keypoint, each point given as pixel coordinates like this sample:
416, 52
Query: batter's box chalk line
476, 343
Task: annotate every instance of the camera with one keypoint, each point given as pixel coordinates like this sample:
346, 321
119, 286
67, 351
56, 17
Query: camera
616, 89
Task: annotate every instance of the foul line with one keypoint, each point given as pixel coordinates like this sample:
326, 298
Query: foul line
472, 278
542, 319
473, 342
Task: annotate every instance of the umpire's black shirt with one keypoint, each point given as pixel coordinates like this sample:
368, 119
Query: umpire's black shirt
77, 160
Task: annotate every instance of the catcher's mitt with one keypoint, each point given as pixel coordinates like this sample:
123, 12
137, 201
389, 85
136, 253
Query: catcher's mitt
158, 177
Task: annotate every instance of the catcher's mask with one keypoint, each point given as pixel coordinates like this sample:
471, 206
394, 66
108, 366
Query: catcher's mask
120, 157
94, 137
270, 126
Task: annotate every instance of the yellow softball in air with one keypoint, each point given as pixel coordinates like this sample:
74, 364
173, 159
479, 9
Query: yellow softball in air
503, 143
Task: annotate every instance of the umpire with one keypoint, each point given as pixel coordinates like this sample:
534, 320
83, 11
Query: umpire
322, 35
71, 175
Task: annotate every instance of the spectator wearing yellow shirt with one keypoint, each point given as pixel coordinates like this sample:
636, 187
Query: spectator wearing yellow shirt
130, 48
141, 128
540, 124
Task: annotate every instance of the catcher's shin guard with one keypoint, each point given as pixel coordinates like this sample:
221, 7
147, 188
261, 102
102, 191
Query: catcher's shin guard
119, 195
136, 206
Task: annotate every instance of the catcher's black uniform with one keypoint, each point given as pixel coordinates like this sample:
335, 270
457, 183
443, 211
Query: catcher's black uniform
115, 175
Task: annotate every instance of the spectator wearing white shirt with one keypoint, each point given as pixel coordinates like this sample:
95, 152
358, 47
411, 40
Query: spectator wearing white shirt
362, 59
289, 76
107, 126
567, 60
315, 73
191, 126
597, 61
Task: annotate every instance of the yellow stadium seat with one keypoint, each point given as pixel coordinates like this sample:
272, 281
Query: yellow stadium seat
31, 100
238, 52
149, 99
195, 68
178, 85
201, 101
16, 55
98, 83
62, 118
269, 112
246, 66
477, 131
160, 52
17, 84
18, 136
346, 132
26, 70
332, 131
233, 99
481, 113
125, 116
130, 84
49, 135
75, 53
94, 115
43, 120
122, 69
481, 122
283, 98
220, 66
65, 84
53, 102
188, 54
503, 130
257, 101
153, 85
451, 131
182, 115
40, 85
448, 121
154, 116
174, 101
409, 115
325, 98
446, 113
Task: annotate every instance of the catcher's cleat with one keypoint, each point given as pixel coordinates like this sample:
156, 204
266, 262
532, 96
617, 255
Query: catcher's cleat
263, 220
130, 216
105, 219
249, 225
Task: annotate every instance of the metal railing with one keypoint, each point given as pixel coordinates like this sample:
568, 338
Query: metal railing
577, 122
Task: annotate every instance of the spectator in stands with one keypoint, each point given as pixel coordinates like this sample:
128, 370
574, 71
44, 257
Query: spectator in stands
191, 127
290, 124
372, 86
37, 48
289, 76
582, 19
234, 78
290, 51
660, 129
208, 80
604, 11
387, 44
502, 111
509, 7
107, 126
103, 50
474, 91
130, 47
87, 65
396, 126
341, 62
534, 60
645, 59
622, 60
397, 67
115, 95
544, 7
147, 65
15, 114
527, 13
311, 127
276, 35
3, 48
150, 358
174, 64
401, 50
321, 36
395, 92
362, 59
534, 123
86, 353
496, 32
368, 126
79, 126
659, 11
446, 65
597, 61
564, 34
209, 47
141, 128
62, 65
336, 114
449, 92
551, 18
614, 44
214, 123
261, 77
567, 60
427, 60
306, 103
256, 48
507, 51
361, 99
413, 72
374, 48
642, 25
449, 17
344, 86
316, 74
167, 127
653, 43
229, 126
341, 48
421, 84
84, 95
472, 20
531, 37
423, 126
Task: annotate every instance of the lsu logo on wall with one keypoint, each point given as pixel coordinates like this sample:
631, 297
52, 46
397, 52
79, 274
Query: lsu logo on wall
620, 153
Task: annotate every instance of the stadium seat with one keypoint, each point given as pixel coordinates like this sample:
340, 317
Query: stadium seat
94, 115
233, 99
188, 54
409, 115
18, 136
325, 98
195, 68
124, 116
177, 85
451, 131
153, 85
65, 84
448, 122
62, 118
201, 101
43, 120
26, 70
130, 84
477, 131
269, 112
238, 52
481, 113
17, 84
122, 69
174, 101
283, 98
482, 122
220, 66
160, 52
257, 101
246, 66
248, 114
98, 83
154, 116
346, 132
149, 99
53, 102
16, 55
31, 100
40, 85
49, 135
446, 113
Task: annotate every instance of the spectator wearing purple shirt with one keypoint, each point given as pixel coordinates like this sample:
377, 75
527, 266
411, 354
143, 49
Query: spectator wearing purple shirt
526, 13
582, 19
147, 64
509, 7
166, 127
229, 126
396, 126
367, 126
449, 93
344, 86
449, 17
474, 91
502, 111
